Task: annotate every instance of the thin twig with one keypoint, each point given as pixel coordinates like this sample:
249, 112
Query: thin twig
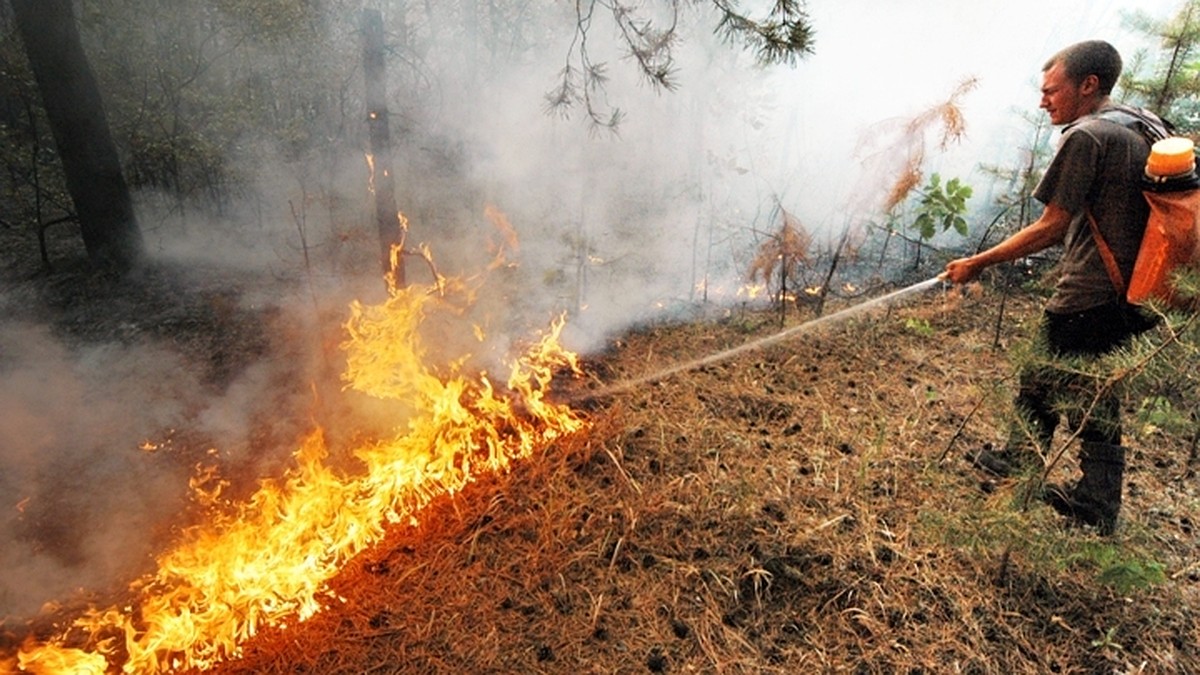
962, 425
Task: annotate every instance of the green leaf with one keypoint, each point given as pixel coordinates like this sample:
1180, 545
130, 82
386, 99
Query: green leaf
942, 207
924, 225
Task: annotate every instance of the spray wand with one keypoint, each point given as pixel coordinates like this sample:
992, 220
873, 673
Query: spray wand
812, 324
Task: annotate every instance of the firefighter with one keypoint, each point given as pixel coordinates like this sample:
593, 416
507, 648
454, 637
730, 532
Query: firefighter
1095, 174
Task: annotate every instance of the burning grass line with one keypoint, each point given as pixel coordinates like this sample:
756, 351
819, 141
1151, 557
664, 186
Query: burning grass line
268, 561
813, 324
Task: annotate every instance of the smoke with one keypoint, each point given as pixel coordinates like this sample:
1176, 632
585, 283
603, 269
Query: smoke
98, 445
880, 63
619, 228
669, 212
81, 502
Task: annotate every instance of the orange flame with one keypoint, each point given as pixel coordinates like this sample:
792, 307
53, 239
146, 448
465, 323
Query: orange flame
508, 236
752, 291
41, 659
266, 562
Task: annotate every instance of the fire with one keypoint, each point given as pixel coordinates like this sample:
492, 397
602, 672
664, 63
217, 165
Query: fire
752, 291
266, 562
42, 660
508, 236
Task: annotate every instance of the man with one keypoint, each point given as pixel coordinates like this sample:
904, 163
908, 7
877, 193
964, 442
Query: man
1095, 174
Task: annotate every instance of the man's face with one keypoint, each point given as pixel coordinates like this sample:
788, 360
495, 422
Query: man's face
1062, 98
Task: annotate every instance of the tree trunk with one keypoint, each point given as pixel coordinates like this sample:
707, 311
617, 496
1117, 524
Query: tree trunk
79, 124
386, 216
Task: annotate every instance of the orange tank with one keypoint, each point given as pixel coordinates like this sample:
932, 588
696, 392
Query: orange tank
1172, 156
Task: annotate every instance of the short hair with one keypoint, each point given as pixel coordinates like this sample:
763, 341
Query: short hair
1091, 57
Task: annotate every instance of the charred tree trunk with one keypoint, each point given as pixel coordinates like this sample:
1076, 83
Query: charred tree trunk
391, 230
79, 124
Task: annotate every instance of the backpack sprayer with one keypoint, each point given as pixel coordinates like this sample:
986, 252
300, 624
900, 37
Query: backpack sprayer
1172, 237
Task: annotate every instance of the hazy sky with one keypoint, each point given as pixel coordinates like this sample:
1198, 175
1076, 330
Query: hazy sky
877, 60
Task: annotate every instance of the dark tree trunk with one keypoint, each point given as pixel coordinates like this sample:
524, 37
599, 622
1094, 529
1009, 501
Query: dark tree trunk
391, 232
77, 119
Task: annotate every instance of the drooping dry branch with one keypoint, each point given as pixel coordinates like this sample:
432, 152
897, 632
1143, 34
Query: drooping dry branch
911, 141
782, 255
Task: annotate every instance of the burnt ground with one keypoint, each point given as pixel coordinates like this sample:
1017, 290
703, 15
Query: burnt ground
801, 508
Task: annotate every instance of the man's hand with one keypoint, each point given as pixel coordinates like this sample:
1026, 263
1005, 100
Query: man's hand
1048, 230
962, 270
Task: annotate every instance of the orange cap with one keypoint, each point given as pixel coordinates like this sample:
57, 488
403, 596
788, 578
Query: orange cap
1171, 157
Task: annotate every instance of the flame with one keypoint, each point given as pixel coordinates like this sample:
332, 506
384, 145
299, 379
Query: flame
266, 562
752, 291
395, 268
39, 659
508, 236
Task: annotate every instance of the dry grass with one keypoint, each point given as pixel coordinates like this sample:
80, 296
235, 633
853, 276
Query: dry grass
803, 508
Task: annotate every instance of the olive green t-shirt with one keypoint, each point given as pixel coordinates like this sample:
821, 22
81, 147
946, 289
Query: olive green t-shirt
1097, 169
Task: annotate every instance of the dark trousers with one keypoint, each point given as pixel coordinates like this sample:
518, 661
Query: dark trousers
1048, 390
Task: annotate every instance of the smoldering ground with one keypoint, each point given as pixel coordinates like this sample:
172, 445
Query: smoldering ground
99, 443
82, 501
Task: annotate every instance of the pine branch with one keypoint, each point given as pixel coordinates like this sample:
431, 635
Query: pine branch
785, 36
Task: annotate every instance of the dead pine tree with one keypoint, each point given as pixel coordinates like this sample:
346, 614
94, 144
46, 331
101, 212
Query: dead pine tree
782, 256
900, 147
387, 217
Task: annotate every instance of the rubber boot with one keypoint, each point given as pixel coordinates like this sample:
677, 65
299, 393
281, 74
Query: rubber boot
1029, 438
1027, 446
1095, 499
1013, 459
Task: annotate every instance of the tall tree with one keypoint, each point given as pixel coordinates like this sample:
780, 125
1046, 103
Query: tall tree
391, 228
75, 112
1172, 86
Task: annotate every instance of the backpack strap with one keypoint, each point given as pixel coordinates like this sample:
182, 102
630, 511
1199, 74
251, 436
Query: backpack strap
1152, 127
1106, 254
